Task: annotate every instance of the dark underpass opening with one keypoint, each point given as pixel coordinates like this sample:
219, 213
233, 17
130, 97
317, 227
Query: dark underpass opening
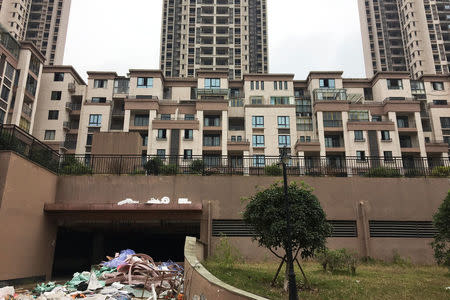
79, 246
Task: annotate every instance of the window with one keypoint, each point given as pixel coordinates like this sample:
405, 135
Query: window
53, 114
141, 120
187, 154
438, 86
189, 117
161, 153
257, 121
376, 118
98, 100
388, 156
162, 134
262, 85
31, 85
275, 85
233, 138
5, 93
256, 100
283, 122
440, 102
258, 141
358, 116
284, 141
166, 117
304, 125
285, 85
100, 83
327, 83
211, 121
257, 85
58, 76
359, 135
211, 140
145, 140
49, 135
385, 135
188, 134
395, 84
360, 155
2, 116
56, 95
212, 83
145, 82
445, 122
95, 120
279, 101
9, 71
259, 160
252, 85
332, 119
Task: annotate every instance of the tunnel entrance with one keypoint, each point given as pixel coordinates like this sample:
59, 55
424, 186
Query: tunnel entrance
81, 245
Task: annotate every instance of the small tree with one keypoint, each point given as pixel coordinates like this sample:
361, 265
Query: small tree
266, 212
441, 243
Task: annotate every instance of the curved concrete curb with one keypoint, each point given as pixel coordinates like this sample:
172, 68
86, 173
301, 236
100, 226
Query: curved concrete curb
201, 284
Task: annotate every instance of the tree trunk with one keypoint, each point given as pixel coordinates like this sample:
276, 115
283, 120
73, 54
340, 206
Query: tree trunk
286, 278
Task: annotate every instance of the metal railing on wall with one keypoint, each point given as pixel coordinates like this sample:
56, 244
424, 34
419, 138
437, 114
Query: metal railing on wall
15, 139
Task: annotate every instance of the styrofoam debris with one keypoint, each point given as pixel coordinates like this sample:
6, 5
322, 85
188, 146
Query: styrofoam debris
6, 291
117, 285
127, 201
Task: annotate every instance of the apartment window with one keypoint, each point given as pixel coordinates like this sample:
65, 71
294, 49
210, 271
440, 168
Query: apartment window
376, 118
187, 154
284, 141
359, 136
212, 83
31, 85
258, 141
262, 85
445, 122
53, 114
388, 156
257, 100
189, 117
257, 121
56, 95
395, 84
145, 140
212, 121
95, 120
327, 83
2, 116
100, 83
275, 85
304, 124
9, 71
332, 119
89, 139
145, 82
141, 120
211, 140
5, 93
283, 122
360, 155
257, 85
166, 117
358, 115
58, 76
49, 135
188, 134
440, 102
280, 85
161, 153
279, 100
385, 135
162, 134
438, 86
252, 85
285, 85
259, 160
98, 100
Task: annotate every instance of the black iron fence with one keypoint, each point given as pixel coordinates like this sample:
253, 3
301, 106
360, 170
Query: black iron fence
15, 139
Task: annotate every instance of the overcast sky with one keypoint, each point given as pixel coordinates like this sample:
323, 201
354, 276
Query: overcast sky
106, 35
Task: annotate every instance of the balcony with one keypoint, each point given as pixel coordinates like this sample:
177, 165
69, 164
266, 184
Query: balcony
330, 94
27, 110
69, 145
121, 90
73, 106
243, 145
437, 146
213, 92
332, 123
405, 125
66, 125
308, 145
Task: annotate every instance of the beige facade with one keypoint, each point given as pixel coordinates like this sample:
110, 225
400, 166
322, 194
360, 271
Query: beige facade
42, 22
386, 116
406, 35
215, 35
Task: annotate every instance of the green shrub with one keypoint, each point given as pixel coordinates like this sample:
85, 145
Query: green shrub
400, 261
441, 172
153, 166
273, 170
383, 172
71, 166
169, 169
197, 166
340, 259
225, 254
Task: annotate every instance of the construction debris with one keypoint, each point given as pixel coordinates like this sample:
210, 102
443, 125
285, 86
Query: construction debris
125, 276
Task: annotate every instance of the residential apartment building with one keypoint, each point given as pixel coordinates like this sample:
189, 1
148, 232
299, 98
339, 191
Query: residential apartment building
406, 35
43, 22
228, 35
21, 66
145, 113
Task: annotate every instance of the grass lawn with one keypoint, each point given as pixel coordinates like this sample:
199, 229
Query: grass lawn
372, 281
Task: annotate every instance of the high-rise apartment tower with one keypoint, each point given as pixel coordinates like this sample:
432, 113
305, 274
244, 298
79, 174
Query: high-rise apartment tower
406, 35
43, 22
214, 35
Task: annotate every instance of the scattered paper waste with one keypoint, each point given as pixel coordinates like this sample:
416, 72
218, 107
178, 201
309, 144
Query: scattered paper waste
127, 201
125, 276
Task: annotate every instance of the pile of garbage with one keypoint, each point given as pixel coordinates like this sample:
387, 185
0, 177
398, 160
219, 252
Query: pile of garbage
126, 276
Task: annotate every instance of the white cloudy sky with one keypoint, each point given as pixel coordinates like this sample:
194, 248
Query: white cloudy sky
106, 35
